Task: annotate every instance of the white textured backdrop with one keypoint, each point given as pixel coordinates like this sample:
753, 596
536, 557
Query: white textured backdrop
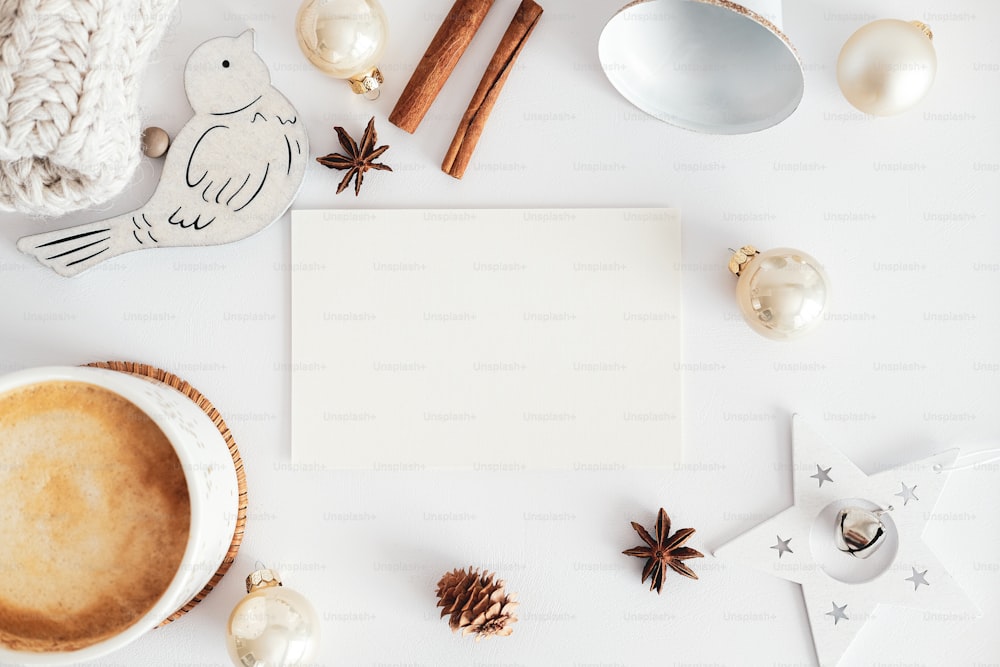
903, 212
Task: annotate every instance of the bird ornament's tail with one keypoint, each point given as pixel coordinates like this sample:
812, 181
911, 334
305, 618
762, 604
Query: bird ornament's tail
72, 251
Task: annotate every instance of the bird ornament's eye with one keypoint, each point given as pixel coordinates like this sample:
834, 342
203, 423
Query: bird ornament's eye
225, 63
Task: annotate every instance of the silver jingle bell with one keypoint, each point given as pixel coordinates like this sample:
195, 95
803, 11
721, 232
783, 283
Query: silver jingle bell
859, 532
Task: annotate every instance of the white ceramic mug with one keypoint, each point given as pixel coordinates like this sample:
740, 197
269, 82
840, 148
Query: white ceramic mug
212, 487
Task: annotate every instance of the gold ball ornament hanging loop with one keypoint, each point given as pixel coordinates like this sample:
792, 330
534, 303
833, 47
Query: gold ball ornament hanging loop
262, 578
924, 28
367, 84
741, 258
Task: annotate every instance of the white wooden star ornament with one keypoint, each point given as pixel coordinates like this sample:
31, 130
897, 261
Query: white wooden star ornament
842, 590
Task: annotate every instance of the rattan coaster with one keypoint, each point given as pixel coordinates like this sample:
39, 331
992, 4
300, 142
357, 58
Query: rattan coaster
145, 370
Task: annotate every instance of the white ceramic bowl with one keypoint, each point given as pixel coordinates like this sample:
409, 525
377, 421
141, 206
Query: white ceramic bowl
212, 486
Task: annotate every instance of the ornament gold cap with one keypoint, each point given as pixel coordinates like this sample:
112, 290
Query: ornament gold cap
741, 258
367, 83
263, 578
924, 28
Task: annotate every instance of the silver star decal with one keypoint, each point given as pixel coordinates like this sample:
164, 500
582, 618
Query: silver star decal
907, 493
823, 475
918, 578
782, 546
838, 613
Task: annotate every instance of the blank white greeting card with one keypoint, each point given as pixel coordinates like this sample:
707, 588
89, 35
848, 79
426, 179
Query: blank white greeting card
486, 339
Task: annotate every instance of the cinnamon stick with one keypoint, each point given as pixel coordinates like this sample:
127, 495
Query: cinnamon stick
438, 61
474, 121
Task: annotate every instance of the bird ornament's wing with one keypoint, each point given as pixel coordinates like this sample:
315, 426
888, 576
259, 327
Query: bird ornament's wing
228, 166
276, 117
237, 170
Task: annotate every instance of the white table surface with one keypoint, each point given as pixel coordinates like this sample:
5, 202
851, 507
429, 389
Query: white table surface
901, 211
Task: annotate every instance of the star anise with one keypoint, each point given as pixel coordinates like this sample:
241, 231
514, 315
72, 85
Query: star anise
358, 160
666, 551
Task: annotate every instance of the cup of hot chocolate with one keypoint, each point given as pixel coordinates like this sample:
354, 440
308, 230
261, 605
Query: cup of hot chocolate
118, 503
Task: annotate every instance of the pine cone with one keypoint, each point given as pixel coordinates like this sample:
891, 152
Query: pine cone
477, 603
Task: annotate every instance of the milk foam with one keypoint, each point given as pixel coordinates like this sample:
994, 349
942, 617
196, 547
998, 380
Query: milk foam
94, 515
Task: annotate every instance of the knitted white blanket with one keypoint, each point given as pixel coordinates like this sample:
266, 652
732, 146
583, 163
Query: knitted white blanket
69, 121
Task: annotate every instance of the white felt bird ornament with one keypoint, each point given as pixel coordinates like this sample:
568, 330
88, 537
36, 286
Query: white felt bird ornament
234, 168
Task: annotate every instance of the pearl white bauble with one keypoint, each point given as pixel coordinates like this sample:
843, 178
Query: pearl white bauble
273, 626
344, 38
887, 66
782, 293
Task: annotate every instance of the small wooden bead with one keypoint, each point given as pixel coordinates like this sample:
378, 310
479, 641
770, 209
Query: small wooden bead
155, 142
